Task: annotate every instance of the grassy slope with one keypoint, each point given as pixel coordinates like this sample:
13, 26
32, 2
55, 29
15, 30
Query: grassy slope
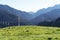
30, 33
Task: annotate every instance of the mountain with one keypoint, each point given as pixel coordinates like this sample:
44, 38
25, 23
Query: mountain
24, 22
49, 16
19, 13
11, 15
31, 12
7, 19
52, 23
45, 10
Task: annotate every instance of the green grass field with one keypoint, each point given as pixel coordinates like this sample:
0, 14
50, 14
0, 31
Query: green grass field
30, 33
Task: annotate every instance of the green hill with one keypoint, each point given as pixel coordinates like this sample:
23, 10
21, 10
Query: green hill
30, 33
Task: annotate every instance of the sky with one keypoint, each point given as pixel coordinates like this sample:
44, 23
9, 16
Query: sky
30, 5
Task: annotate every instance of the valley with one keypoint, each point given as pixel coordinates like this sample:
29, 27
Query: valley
44, 17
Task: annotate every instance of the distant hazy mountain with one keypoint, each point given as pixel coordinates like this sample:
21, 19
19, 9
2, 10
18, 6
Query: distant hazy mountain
31, 12
45, 10
49, 16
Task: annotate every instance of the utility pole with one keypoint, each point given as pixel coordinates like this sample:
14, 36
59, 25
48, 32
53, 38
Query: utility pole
18, 20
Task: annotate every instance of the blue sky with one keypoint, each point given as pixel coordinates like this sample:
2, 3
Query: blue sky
30, 5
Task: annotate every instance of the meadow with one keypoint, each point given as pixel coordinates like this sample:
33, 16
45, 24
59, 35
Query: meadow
30, 33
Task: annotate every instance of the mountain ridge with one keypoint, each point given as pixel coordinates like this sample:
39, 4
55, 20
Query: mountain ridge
25, 18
